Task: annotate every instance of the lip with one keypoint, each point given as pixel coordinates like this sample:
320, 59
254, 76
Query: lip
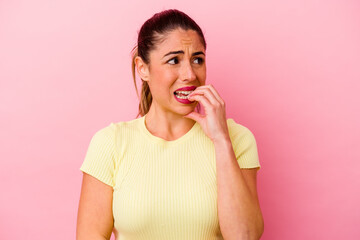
189, 88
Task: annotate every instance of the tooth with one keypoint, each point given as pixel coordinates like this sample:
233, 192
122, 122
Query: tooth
184, 92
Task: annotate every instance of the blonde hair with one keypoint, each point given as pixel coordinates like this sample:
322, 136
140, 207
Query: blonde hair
145, 95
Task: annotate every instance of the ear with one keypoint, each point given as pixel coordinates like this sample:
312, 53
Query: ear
142, 68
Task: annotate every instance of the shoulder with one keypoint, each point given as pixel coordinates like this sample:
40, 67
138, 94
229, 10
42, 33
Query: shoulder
104, 134
114, 128
239, 131
117, 132
244, 144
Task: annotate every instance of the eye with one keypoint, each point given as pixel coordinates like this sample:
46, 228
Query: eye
200, 60
175, 60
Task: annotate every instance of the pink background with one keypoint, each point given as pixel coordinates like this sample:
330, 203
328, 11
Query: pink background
287, 70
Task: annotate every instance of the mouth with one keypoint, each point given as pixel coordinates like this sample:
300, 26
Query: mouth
183, 92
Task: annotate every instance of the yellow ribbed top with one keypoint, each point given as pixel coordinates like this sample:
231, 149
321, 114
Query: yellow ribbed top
163, 189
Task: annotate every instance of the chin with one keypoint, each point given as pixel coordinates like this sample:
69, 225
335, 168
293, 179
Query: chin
188, 109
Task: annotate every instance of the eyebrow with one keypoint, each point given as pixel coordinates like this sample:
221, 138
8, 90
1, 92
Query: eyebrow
177, 52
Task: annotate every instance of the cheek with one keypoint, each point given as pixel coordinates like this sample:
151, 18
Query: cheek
167, 79
202, 75
163, 80
162, 86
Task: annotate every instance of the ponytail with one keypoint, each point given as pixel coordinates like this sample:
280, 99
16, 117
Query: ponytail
145, 97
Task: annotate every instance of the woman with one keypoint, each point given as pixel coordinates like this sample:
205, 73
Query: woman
172, 173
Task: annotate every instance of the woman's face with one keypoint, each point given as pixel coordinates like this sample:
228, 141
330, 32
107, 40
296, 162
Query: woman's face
177, 62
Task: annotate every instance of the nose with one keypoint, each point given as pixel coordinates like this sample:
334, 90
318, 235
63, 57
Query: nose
187, 73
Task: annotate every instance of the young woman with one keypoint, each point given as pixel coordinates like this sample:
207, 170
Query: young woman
173, 173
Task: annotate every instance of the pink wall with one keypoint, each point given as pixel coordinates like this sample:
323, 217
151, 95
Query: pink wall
288, 70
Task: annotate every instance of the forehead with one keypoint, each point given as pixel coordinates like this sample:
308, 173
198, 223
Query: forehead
179, 39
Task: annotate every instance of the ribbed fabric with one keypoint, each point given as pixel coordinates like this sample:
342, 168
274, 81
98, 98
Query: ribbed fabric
163, 189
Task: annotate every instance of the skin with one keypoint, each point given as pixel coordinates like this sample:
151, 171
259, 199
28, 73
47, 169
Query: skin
239, 211
95, 218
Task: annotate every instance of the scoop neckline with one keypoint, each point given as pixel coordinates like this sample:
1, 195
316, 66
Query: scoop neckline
162, 141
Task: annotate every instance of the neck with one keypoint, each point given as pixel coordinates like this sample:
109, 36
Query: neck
167, 125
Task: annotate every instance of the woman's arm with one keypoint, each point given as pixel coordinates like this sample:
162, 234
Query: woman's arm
239, 212
238, 205
95, 218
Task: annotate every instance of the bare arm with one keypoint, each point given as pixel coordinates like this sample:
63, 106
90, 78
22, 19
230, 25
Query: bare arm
239, 210
95, 218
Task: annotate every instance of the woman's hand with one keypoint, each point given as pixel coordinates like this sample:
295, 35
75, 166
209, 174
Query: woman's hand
214, 122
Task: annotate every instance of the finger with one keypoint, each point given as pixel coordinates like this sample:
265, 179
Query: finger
195, 116
203, 100
216, 94
212, 90
207, 93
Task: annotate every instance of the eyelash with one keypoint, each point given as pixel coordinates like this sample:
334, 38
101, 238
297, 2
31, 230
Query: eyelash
201, 60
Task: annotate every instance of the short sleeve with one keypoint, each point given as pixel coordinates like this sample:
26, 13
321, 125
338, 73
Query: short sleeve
100, 157
244, 145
